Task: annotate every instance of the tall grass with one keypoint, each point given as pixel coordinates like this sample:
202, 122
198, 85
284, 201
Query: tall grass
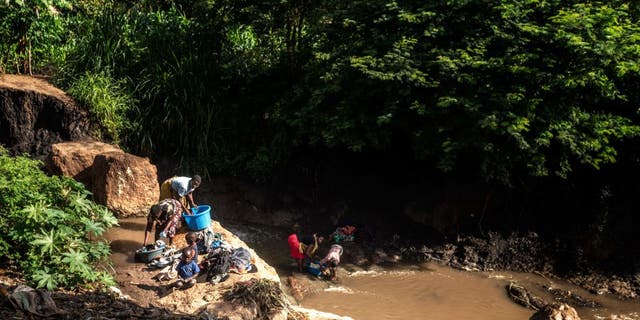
189, 89
108, 102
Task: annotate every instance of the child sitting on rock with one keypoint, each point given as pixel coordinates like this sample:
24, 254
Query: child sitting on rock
187, 269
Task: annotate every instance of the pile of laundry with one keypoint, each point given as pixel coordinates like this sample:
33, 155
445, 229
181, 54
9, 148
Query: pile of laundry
345, 233
219, 261
222, 260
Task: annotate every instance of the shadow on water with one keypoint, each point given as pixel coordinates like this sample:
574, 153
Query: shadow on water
133, 224
399, 290
125, 248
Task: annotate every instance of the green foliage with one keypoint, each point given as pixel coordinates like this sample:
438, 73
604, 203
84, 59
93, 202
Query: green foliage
32, 33
52, 227
107, 100
508, 88
512, 87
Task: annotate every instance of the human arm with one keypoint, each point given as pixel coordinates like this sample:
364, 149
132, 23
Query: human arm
147, 230
190, 200
310, 250
146, 238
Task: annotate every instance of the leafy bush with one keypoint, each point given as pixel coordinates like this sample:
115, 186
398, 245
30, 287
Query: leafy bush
52, 229
32, 33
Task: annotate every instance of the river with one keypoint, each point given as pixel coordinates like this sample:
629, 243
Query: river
425, 291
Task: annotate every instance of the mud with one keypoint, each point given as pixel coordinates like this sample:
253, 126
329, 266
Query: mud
83, 304
529, 253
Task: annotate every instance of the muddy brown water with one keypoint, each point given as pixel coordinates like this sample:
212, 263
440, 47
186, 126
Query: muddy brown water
428, 291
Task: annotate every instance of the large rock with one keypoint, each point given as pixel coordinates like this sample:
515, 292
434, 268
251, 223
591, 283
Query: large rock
126, 184
35, 114
75, 159
556, 311
207, 299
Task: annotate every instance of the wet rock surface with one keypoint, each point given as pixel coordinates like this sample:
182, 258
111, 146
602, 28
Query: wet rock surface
556, 311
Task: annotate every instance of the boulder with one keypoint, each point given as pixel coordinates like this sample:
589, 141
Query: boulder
125, 183
556, 311
75, 159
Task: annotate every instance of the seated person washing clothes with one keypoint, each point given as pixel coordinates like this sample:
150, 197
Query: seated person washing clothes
309, 246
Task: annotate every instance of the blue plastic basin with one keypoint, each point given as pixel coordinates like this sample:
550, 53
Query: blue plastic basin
200, 219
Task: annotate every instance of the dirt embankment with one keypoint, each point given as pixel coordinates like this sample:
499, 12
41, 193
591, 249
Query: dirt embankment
34, 115
531, 253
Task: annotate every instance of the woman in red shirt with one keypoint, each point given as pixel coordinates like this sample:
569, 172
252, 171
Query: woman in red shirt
294, 246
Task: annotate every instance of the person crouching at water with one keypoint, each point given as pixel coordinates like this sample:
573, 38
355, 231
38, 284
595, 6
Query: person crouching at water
181, 189
188, 269
165, 216
309, 246
332, 260
295, 249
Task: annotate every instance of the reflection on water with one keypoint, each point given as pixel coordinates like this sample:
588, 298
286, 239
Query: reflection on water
428, 291
126, 239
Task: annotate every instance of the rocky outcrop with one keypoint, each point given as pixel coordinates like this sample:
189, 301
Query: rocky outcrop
204, 299
75, 159
34, 115
556, 311
125, 183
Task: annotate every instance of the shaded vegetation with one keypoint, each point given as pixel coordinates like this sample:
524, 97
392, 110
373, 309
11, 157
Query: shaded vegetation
536, 96
52, 230
510, 88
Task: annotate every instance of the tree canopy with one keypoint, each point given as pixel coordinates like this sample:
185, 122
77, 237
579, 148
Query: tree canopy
508, 88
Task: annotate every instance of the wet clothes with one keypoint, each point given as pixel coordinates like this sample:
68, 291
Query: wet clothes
188, 269
218, 263
167, 220
241, 258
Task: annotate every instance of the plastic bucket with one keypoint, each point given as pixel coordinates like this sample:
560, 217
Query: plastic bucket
200, 219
